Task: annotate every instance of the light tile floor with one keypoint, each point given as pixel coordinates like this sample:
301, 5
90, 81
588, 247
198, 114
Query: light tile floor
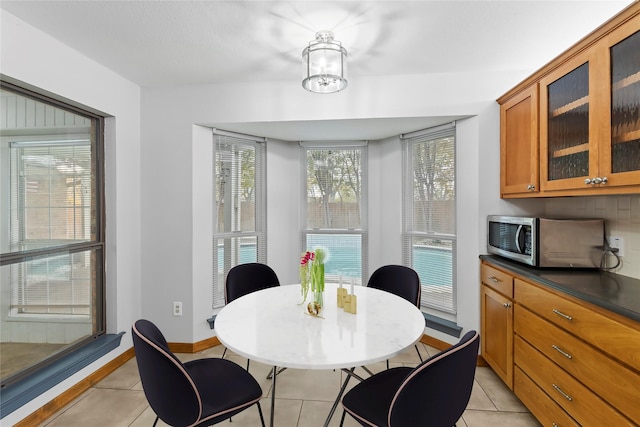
303, 398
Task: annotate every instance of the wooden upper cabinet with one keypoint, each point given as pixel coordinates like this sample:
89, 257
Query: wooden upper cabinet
590, 116
569, 125
585, 104
620, 154
519, 144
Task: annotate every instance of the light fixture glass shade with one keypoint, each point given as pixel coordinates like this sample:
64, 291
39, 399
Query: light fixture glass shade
325, 64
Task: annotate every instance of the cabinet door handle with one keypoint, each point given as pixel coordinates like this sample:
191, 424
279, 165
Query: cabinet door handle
561, 314
506, 305
596, 181
561, 351
565, 395
494, 279
531, 187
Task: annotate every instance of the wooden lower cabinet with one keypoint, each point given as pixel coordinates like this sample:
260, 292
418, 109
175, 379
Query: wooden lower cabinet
617, 337
570, 362
545, 409
587, 408
581, 360
497, 327
496, 339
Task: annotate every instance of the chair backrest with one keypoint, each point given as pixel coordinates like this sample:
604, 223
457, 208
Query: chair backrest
169, 389
399, 280
246, 278
437, 391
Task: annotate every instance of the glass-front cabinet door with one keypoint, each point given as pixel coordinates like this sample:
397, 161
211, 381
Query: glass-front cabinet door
568, 130
590, 117
621, 154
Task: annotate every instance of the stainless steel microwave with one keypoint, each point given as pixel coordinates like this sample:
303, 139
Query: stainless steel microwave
547, 242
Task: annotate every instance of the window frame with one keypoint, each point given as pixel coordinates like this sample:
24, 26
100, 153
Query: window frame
95, 247
408, 228
259, 197
362, 231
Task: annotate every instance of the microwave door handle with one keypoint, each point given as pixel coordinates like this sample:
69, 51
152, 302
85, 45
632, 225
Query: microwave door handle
518, 232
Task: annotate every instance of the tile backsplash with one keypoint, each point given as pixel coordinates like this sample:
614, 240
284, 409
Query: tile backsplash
622, 219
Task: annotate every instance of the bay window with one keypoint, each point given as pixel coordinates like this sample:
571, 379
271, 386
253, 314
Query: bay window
334, 207
429, 225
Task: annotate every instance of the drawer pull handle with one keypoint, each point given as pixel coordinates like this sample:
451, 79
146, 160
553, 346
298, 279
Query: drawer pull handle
555, 425
562, 352
559, 313
494, 279
565, 395
506, 305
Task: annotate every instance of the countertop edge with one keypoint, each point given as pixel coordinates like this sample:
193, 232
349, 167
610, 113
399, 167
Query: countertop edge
534, 275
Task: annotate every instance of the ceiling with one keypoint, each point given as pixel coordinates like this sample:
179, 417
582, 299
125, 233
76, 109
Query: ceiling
173, 43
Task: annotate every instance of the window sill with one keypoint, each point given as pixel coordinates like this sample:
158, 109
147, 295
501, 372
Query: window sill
22, 392
445, 326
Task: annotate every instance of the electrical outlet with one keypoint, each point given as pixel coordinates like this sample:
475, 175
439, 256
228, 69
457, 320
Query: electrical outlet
177, 308
616, 242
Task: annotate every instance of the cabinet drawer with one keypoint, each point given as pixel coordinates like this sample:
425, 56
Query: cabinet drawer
612, 337
498, 280
579, 402
548, 412
584, 362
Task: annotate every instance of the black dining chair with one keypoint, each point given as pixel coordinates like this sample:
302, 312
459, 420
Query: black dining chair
401, 281
433, 394
244, 279
196, 393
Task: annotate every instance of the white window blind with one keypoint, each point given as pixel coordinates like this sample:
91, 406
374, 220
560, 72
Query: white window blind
429, 206
52, 206
334, 206
240, 205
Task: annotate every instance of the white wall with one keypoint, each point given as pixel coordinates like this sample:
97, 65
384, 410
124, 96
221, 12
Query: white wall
171, 270
28, 55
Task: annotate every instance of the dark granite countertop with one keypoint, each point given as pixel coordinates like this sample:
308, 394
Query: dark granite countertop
619, 294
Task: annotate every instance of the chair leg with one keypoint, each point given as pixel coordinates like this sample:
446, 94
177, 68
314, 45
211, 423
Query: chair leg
342, 417
155, 422
260, 412
248, 365
224, 352
419, 355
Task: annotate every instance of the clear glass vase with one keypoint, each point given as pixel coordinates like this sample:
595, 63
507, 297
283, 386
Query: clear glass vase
317, 287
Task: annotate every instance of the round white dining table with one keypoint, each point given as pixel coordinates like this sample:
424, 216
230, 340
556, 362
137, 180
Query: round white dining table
272, 326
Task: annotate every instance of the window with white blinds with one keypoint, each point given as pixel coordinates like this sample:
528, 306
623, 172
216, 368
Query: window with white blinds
335, 206
239, 164
52, 274
429, 208
51, 206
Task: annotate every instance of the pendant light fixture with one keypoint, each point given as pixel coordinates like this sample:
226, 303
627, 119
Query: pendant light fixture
325, 64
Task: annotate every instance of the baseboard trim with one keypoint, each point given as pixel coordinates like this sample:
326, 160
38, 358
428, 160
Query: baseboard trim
443, 345
53, 406
183, 347
434, 342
